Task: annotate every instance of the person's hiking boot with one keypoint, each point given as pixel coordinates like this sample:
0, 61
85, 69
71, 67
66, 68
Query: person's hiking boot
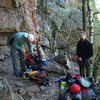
18, 74
21, 74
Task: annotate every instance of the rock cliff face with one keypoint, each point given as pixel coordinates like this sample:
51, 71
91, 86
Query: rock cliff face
17, 15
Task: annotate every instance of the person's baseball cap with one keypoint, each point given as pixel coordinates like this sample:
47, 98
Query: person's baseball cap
30, 37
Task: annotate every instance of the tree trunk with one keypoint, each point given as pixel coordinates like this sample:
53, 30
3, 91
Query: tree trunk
90, 19
84, 15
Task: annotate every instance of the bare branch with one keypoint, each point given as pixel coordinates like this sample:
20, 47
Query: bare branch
96, 13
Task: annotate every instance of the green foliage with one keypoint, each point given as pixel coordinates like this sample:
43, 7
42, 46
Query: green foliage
63, 21
67, 15
96, 27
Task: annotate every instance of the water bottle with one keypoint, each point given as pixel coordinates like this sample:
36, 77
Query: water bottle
62, 85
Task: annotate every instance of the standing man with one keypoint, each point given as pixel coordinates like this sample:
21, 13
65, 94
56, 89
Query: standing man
17, 45
84, 53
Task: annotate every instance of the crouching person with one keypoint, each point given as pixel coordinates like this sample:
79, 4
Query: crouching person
17, 45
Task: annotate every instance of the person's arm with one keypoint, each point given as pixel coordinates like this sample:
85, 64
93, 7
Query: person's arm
16, 45
31, 47
78, 58
90, 51
77, 50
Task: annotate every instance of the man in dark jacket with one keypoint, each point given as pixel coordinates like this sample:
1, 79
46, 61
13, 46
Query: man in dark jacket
84, 53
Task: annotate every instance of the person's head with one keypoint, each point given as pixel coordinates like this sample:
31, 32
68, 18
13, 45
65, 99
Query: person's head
29, 37
83, 35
